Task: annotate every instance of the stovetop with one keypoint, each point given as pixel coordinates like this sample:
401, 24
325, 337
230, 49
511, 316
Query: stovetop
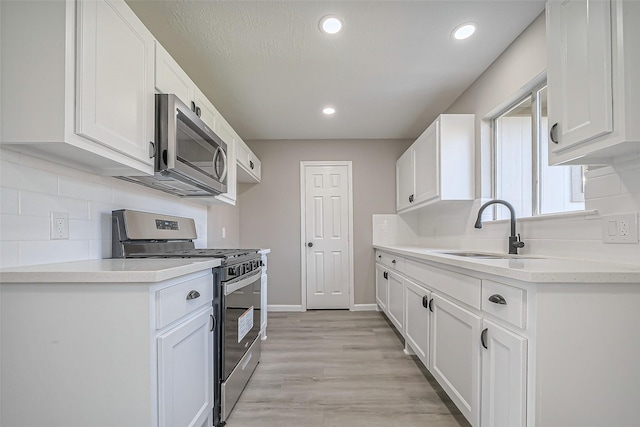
229, 255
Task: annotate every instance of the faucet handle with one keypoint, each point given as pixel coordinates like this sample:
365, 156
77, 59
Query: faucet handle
518, 243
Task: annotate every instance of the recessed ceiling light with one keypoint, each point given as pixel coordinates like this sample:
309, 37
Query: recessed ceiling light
464, 31
328, 110
330, 24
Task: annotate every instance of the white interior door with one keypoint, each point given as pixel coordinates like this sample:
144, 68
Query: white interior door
326, 235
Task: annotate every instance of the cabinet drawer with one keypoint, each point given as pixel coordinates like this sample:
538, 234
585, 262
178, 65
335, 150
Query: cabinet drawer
391, 261
176, 301
461, 287
509, 303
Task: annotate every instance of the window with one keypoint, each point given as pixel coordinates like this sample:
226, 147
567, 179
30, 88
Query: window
522, 175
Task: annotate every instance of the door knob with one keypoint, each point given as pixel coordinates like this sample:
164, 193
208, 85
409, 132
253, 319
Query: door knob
310, 244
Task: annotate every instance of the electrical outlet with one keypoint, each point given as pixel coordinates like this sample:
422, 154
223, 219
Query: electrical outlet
620, 228
59, 225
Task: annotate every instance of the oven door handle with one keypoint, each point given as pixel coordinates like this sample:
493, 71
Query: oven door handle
232, 287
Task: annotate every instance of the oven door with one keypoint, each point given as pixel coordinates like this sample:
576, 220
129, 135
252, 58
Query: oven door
241, 319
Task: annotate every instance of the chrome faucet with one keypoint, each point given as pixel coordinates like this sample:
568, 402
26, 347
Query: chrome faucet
514, 240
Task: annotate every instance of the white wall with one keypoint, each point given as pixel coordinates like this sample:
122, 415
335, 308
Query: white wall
613, 189
31, 188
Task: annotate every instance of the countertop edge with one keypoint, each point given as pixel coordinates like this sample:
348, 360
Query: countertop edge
631, 275
94, 273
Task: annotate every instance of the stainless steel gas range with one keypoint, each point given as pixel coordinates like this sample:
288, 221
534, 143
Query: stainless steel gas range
236, 294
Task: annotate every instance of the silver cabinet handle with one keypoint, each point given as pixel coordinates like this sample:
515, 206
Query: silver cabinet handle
498, 299
483, 338
193, 295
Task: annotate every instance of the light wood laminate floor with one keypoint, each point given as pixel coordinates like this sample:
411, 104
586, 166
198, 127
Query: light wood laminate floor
340, 368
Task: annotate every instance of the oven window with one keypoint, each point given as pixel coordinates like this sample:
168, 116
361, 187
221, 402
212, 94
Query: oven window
197, 151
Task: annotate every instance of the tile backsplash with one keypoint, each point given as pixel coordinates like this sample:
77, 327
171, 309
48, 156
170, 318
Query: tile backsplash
608, 190
31, 188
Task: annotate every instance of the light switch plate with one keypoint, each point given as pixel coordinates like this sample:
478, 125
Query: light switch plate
620, 228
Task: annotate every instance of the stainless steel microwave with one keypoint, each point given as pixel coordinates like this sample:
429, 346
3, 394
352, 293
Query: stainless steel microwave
190, 159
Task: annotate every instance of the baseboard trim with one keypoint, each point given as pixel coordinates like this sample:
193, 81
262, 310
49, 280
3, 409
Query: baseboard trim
297, 308
365, 307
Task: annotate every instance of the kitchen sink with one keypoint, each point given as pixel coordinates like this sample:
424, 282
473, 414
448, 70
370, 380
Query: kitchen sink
481, 255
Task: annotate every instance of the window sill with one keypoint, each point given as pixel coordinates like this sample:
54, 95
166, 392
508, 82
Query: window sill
546, 217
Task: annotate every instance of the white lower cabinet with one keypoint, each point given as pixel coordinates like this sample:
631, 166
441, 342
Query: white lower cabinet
504, 377
134, 354
185, 377
417, 322
382, 287
395, 303
516, 353
455, 355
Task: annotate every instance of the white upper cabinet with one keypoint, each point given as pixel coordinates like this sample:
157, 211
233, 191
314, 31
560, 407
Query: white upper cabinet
404, 180
77, 84
439, 165
115, 91
171, 78
592, 49
249, 166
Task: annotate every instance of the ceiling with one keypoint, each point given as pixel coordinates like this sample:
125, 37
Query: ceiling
269, 70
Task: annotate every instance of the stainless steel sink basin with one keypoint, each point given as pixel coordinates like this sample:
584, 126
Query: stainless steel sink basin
481, 255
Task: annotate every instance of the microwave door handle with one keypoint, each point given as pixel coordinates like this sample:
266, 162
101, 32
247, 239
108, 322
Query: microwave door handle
220, 151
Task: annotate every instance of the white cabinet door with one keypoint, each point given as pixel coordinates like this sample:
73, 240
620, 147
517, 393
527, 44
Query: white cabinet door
249, 171
455, 355
185, 376
171, 78
426, 165
417, 322
439, 165
504, 381
395, 303
115, 82
382, 288
579, 70
404, 180
208, 113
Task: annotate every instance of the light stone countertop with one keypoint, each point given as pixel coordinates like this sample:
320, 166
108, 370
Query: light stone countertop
527, 268
108, 270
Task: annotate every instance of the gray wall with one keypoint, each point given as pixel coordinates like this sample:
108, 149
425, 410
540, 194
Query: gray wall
270, 211
501, 84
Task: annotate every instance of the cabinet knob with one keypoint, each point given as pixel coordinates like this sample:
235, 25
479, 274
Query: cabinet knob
152, 149
213, 323
411, 198
393, 261
198, 111
431, 305
425, 301
310, 244
193, 106
250, 164
483, 338
193, 295
498, 299
553, 133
